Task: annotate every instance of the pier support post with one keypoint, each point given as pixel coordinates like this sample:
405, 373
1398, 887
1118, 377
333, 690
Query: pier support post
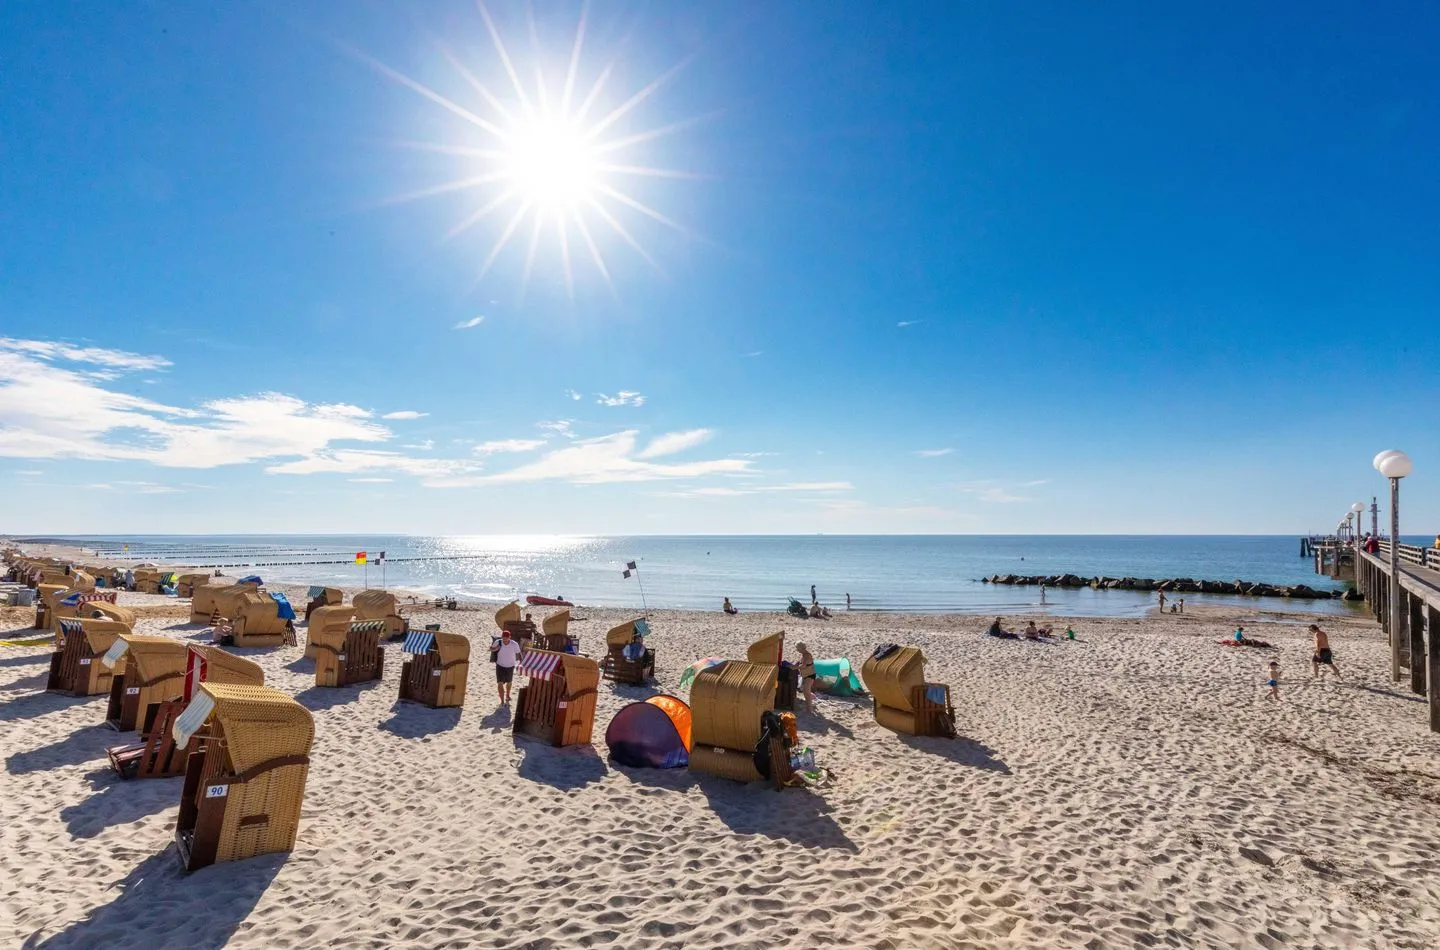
1417, 644
1434, 631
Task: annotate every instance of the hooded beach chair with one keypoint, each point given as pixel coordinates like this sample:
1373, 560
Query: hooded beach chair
381, 605
261, 619
349, 654
86, 603
437, 669
323, 597
46, 597
157, 755
521, 627
185, 584
146, 670
904, 702
211, 604
627, 661
728, 703
335, 618
557, 705
555, 633
245, 782
771, 651
75, 665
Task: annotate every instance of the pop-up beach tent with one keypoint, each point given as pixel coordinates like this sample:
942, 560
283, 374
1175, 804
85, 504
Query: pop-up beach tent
654, 734
837, 678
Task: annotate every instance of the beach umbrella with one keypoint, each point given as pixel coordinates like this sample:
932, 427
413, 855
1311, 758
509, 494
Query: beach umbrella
693, 670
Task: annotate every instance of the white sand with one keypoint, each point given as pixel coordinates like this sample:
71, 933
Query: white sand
1134, 788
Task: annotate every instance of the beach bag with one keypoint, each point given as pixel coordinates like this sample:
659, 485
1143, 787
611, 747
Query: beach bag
494, 646
884, 650
787, 720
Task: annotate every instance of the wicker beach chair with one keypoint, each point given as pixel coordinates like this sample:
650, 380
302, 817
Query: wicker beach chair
46, 597
557, 705
259, 620
211, 604
185, 584
349, 655
627, 661
437, 670
521, 627
335, 619
323, 597
147, 580
245, 783
381, 605
147, 670
555, 633
904, 702
157, 755
771, 651
75, 665
727, 704
85, 603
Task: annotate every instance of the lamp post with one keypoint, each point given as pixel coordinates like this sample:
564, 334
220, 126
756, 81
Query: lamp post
1394, 465
1358, 510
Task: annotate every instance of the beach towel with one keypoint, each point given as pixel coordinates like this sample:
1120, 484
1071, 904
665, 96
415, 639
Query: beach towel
283, 609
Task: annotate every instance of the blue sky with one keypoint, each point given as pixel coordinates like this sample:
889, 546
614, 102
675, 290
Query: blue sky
866, 268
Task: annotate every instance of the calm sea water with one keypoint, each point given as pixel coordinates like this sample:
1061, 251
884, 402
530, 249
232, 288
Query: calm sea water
922, 574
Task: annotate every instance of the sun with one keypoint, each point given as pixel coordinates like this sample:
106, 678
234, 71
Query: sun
550, 163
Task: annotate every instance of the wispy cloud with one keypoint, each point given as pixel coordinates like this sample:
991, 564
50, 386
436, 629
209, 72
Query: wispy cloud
754, 353
557, 426
933, 453
467, 324
754, 455
604, 460
1036, 483
422, 446
92, 355
723, 491
574, 395
371, 481
622, 398
908, 323
136, 488
991, 491
354, 461
28, 471
404, 415
508, 445
673, 442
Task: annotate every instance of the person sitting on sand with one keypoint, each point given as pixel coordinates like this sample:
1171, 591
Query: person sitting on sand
1322, 656
807, 676
728, 607
819, 613
1239, 634
1069, 632
996, 630
1033, 632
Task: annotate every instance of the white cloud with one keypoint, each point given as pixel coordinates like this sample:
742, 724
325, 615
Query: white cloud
608, 459
622, 398
754, 455
908, 323
508, 445
347, 461
405, 415
136, 488
721, 491
95, 356
933, 453
574, 395
467, 324
672, 442
1035, 483
558, 427
754, 353
28, 471
422, 446
370, 481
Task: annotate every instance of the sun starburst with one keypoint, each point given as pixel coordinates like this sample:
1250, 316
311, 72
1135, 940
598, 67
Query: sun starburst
546, 165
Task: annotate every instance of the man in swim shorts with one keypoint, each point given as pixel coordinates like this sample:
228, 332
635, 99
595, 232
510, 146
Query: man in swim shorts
1323, 657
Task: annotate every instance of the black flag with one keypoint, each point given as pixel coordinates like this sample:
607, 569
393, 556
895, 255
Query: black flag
626, 573
632, 567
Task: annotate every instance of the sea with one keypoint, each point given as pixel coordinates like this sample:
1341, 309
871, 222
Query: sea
907, 573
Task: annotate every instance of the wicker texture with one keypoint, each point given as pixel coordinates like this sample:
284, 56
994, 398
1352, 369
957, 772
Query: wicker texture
557, 624
185, 584
892, 680
510, 613
379, 605
328, 622
767, 650
260, 723
104, 611
222, 666
358, 643
258, 615
727, 763
560, 710
156, 667
622, 634
726, 703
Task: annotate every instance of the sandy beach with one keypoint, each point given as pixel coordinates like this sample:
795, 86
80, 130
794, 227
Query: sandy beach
1132, 788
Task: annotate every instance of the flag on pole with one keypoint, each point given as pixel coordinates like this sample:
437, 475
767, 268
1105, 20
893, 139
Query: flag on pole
632, 566
360, 557
626, 573
381, 557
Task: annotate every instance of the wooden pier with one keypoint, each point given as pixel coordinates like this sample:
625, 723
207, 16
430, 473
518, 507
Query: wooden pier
1418, 633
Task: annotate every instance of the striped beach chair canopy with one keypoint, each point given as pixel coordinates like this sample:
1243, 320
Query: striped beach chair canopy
418, 642
539, 664
369, 626
71, 626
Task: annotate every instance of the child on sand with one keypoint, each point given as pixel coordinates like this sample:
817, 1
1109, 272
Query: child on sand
1274, 682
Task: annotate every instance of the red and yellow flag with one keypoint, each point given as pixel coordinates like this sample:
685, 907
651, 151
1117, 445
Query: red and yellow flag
359, 557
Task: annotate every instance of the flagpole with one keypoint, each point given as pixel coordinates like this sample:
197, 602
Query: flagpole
643, 602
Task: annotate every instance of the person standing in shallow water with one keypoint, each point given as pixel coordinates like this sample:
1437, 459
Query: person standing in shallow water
813, 598
847, 601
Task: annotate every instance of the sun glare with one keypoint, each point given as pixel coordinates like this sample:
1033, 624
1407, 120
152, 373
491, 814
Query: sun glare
551, 163
549, 167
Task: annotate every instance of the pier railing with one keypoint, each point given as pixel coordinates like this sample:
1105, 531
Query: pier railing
1409, 553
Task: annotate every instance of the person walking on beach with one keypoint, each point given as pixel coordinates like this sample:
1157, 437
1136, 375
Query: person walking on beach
1322, 656
507, 654
847, 601
1162, 601
1274, 681
807, 677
